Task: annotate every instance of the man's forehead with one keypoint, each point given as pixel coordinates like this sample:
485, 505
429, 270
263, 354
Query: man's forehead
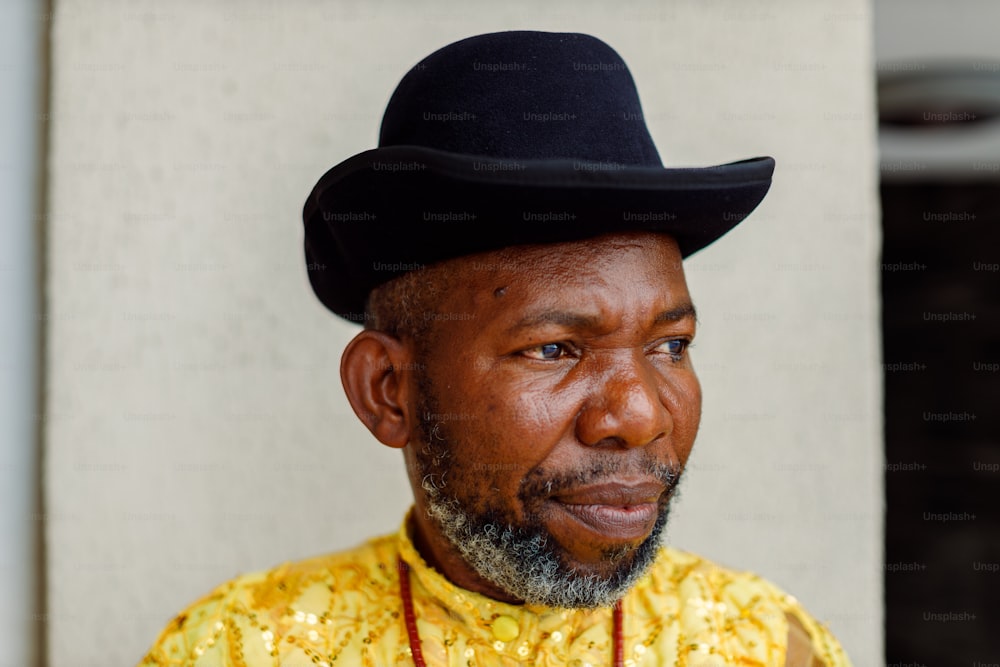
570, 283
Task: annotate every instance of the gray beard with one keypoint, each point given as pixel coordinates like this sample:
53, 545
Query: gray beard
525, 560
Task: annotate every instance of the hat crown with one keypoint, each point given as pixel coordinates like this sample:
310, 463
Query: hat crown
522, 95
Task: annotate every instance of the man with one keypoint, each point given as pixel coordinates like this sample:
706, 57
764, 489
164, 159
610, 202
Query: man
514, 250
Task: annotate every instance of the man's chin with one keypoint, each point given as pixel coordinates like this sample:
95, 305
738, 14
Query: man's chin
590, 554
612, 565
533, 563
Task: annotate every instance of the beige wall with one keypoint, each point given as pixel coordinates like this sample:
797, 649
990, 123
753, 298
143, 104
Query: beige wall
196, 424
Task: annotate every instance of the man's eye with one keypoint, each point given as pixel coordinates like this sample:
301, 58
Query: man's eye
546, 352
675, 348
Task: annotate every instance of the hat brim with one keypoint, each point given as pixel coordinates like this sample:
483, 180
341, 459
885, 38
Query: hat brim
391, 210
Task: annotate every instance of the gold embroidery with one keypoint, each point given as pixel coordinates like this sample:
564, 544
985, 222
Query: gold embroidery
344, 609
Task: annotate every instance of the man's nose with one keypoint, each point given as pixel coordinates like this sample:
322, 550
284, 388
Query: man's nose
624, 406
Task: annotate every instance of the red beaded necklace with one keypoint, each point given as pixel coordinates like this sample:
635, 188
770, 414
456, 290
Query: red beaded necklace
411, 621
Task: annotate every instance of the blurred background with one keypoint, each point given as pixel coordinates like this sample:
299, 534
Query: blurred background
170, 411
938, 74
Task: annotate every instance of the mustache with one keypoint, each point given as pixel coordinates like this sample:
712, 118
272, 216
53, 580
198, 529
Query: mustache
539, 483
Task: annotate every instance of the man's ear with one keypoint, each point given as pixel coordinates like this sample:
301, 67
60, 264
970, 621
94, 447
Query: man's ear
376, 388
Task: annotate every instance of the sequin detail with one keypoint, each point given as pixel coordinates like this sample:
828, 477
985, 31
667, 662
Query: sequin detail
344, 609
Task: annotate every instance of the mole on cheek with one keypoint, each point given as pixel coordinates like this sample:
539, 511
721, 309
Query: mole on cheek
500, 291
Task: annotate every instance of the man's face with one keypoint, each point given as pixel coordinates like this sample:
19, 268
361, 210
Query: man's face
556, 412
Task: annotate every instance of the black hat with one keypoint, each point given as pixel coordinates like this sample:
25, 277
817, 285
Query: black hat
506, 139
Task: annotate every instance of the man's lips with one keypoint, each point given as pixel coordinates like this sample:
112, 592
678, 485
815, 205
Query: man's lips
613, 493
615, 510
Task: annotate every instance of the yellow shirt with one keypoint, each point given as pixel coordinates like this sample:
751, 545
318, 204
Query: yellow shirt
345, 609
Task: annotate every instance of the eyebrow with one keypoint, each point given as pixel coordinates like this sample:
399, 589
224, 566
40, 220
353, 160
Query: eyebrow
573, 320
679, 313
